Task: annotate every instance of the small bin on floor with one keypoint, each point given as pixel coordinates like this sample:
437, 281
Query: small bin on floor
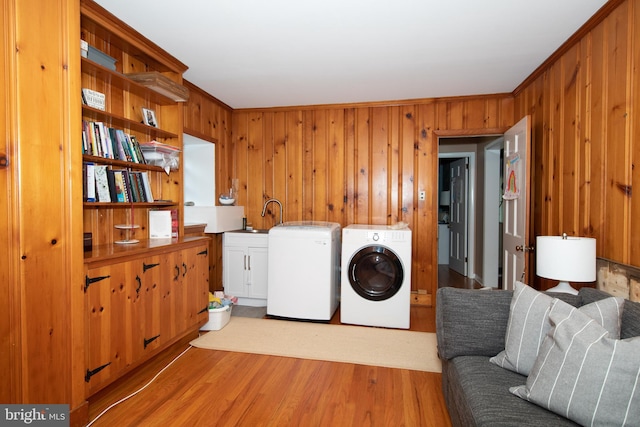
218, 318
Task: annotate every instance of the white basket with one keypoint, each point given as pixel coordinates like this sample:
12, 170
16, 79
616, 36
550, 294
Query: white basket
218, 318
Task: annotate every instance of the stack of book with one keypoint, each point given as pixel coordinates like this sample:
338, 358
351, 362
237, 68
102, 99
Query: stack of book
104, 184
102, 141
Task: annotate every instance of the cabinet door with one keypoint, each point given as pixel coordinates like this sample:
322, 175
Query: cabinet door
196, 283
201, 279
150, 278
235, 261
115, 322
257, 272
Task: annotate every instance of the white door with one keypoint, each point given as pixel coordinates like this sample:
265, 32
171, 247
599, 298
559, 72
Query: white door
458, 216
516, 191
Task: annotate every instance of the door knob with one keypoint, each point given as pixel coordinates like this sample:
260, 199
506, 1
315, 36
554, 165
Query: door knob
525, 248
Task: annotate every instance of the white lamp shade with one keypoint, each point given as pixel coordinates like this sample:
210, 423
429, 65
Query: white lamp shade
445, 198
570, 259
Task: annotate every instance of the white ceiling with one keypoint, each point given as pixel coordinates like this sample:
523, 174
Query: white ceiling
256, 53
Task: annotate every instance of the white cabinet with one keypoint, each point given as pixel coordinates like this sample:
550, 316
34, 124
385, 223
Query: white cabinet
244, 266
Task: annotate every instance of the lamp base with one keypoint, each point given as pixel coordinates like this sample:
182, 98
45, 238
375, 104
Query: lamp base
563, 287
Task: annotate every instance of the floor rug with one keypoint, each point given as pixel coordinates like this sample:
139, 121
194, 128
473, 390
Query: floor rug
392, 348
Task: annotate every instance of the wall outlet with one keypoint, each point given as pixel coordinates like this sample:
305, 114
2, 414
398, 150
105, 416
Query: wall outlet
422, 195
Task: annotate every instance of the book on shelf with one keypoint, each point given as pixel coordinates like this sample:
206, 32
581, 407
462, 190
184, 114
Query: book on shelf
102, 183
89, 181
146, 183
93, 98
102, 141
111, 179
174, 223
119, 186
159, 224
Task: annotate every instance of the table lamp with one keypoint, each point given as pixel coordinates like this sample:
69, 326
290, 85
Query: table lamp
567, 259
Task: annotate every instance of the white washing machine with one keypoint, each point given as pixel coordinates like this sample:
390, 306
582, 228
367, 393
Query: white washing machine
304, 270
376, 276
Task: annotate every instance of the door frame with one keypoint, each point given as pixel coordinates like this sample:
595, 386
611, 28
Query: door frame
471, 205
492, 210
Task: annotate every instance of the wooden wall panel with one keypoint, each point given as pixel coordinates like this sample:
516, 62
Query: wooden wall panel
361, 163
618, 166
207, 118
586, 135
634, 232
43, 249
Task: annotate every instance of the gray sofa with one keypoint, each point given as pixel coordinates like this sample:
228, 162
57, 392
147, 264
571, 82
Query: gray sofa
471, 327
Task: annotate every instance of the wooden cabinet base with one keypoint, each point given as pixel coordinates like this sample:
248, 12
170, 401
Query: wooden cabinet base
139, 302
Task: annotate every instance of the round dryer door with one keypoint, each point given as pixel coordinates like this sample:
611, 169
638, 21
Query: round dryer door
375, 273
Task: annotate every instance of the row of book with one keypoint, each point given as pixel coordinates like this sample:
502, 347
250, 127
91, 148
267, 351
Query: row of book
102, 141
104, 184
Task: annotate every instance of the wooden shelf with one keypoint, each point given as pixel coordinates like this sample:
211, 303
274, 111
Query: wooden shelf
122, 82
124, 205
121, 163
109, 252
114, 120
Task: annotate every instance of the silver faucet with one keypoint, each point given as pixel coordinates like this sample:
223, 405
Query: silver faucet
264, 208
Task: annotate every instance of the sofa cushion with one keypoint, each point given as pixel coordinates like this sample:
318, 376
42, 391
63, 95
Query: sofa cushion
479, 392
583, 374
630, 326
529, 324
471, 321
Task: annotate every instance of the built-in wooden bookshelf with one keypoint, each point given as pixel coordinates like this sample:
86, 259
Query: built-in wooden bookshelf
156, 288
124, 101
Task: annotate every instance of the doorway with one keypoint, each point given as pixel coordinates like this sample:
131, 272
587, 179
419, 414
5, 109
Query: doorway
483, 155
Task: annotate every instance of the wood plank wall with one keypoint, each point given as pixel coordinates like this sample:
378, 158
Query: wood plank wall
41, 219
585, 108
360, 163
207, 118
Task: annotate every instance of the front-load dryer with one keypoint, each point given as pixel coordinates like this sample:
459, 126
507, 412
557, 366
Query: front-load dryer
376, 276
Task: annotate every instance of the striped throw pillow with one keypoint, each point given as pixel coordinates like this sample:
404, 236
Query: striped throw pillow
529, 324
583, 374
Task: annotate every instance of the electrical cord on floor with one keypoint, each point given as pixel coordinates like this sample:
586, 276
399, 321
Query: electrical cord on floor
139, 390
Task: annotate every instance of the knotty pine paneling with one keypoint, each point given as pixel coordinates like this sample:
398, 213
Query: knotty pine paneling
44, 249
585, 107
361, 163
207, 118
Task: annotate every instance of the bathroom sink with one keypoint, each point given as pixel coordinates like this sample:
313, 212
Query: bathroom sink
218, 218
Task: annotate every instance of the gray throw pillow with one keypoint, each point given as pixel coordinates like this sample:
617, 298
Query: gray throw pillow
529, 324
583, 374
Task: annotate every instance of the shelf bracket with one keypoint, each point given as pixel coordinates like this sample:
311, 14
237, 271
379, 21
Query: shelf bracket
91, 373
90, 280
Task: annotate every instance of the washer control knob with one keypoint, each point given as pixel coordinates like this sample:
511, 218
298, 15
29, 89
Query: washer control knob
375, 237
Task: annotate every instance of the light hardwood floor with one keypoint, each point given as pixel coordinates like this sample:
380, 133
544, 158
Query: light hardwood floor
219, 388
